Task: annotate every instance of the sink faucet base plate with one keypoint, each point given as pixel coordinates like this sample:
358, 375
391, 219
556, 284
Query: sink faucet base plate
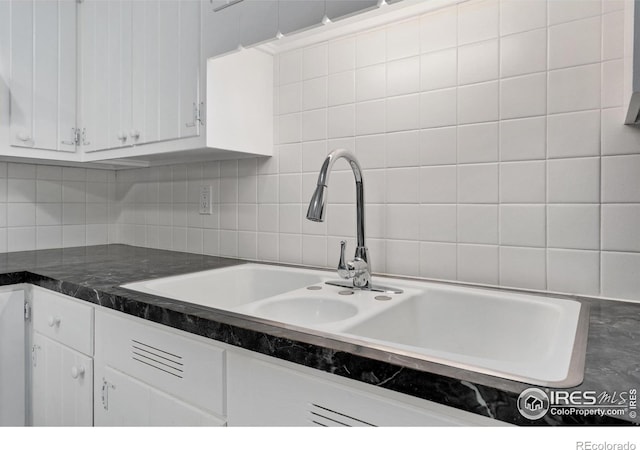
372, 287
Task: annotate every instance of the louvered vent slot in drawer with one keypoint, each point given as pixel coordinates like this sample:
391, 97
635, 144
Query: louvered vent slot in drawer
157, 358
326, 417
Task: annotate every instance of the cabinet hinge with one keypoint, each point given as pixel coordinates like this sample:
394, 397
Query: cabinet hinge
27, 311
105, 393
75, 137
197, 115
78, 137
34, 354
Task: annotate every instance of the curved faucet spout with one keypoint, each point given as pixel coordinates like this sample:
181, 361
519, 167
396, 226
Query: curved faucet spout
359, 269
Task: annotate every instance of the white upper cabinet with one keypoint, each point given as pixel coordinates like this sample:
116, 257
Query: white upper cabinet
43, 74
146, 89
97, 80
105, 73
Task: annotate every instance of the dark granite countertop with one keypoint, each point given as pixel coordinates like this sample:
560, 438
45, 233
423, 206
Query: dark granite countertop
95, 273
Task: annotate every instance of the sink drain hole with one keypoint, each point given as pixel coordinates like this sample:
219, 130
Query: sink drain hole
382, 297
314, 288
345, 292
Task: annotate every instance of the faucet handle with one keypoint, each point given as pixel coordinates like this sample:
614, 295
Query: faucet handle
343, 269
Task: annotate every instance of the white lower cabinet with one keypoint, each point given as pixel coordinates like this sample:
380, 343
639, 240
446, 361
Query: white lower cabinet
12, 357
62, 384
149, 374
269, 392
61, 360
122, 400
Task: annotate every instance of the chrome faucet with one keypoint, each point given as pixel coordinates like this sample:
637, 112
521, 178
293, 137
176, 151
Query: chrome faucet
359, 269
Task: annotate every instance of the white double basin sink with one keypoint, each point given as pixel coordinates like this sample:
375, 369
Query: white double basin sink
523, 337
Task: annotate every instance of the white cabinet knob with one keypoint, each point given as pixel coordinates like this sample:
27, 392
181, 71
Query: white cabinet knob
135, 134
122, 136
77, 371
23, 136
53, 321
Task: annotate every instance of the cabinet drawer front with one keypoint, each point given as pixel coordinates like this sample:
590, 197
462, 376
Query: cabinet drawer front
179, 366
63, 319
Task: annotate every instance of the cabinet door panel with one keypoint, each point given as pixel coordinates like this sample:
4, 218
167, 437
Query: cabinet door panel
62, 385
12, 363
105, 93
169, 70
67, 70
125, 119
122, 400
189, 66
94, 74
22, 74
43, 78
45, 75
119, 70
145, 70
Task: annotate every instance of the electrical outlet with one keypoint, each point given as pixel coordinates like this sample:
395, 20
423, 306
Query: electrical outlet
205, 200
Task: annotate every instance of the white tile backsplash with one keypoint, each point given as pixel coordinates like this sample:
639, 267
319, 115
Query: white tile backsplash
491, 137
478, 21
574, 134
575, 43
439, 30
523, 53
439, 69
523, 96
574, 89
523, 139
523, 267
342, 55
478, 103
478, 143
518, 16
620, 180
573, 226
575, 180
403, 76
478, 62
41, 211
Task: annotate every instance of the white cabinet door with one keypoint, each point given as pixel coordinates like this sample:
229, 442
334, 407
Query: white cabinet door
62, 384
146, 86
166, 70
189, 66
43, 74
105, 73
12, 361
122, 400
